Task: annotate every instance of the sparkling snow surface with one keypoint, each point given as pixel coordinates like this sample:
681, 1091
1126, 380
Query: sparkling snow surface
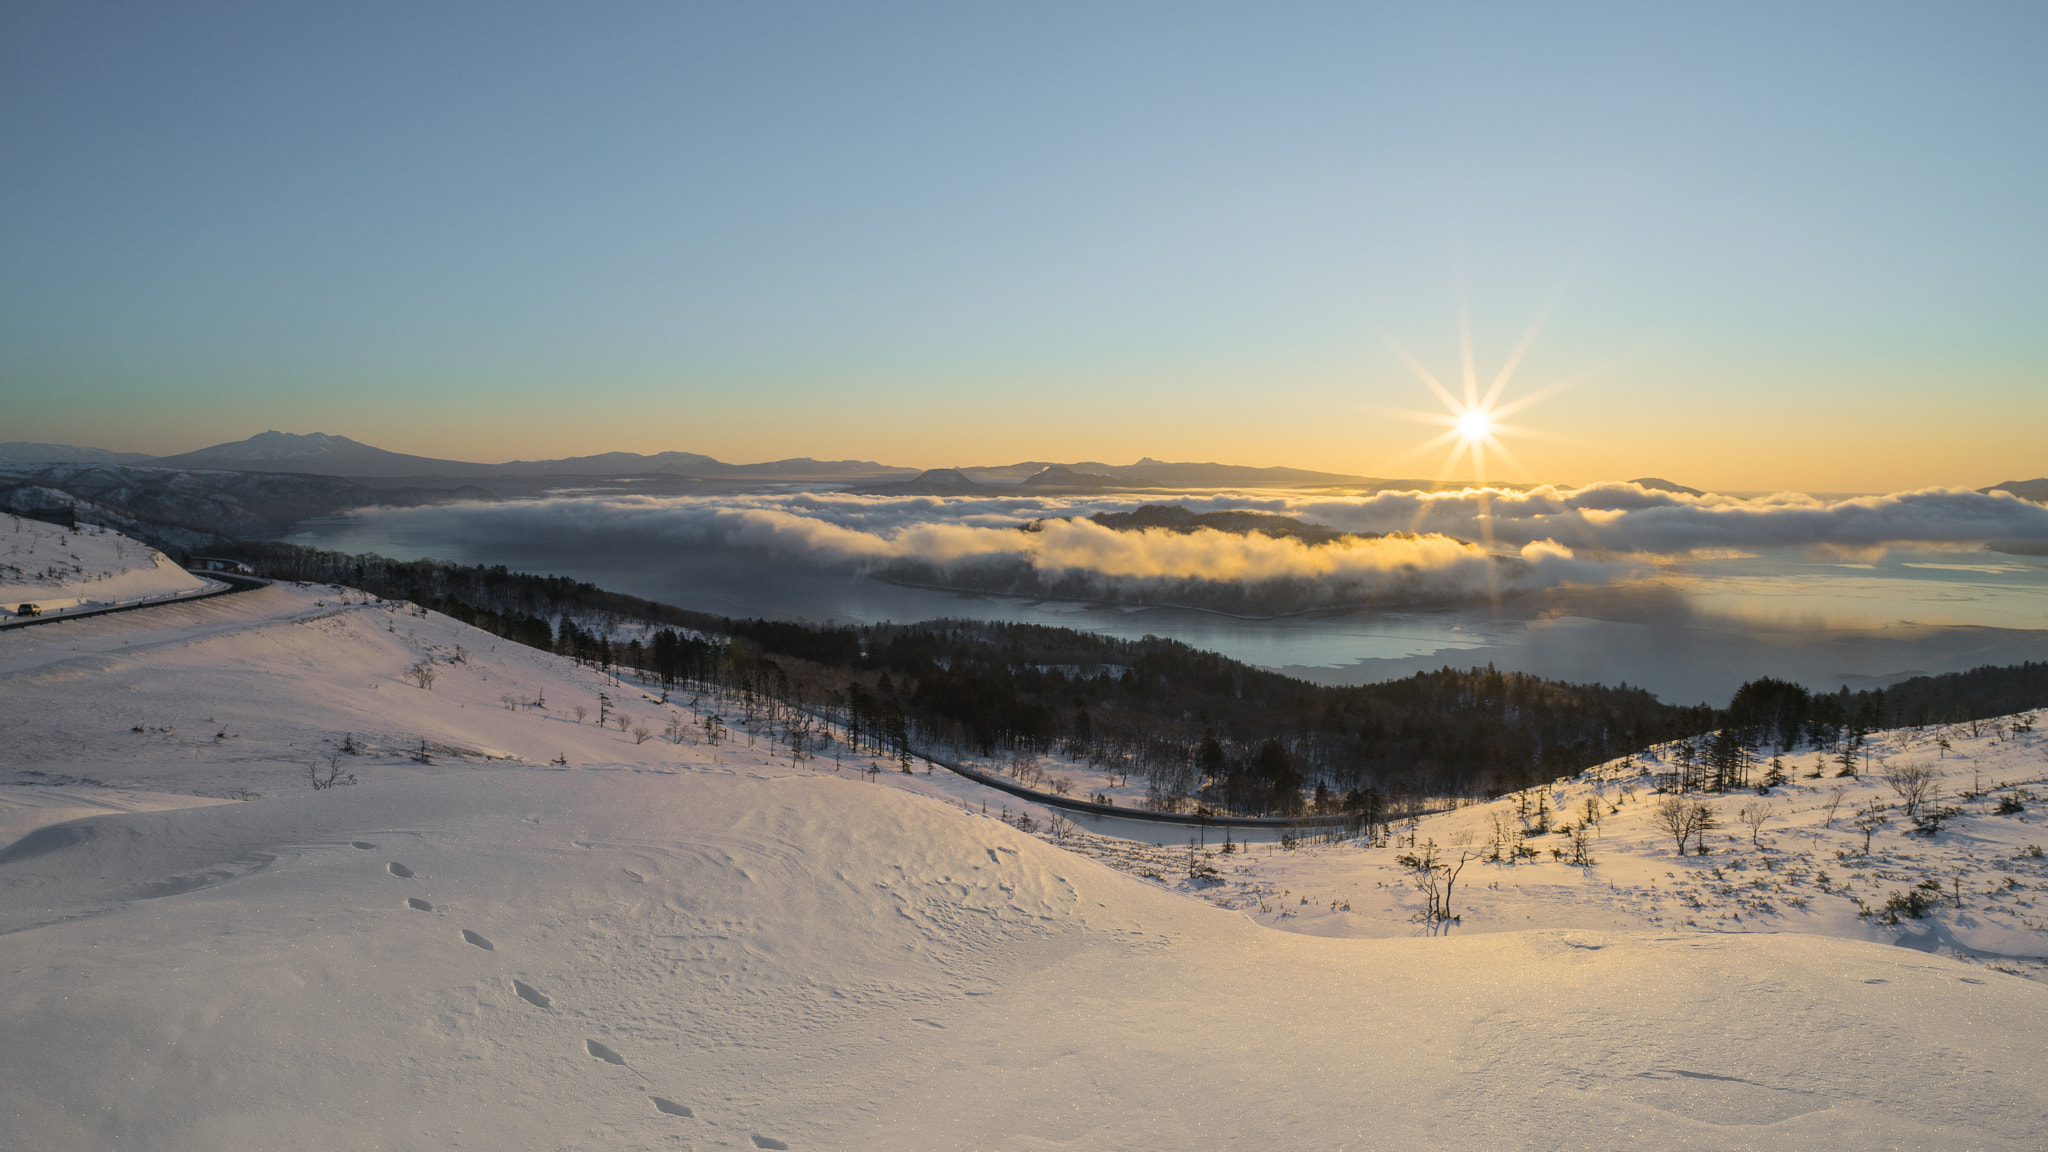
686, 945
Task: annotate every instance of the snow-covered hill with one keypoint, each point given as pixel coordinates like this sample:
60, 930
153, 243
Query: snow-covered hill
1969, 890
56, 568
519, 930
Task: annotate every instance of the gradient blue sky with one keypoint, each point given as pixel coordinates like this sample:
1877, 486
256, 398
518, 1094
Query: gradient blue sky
1780, 245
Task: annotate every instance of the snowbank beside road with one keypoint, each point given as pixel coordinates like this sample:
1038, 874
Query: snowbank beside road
57, 568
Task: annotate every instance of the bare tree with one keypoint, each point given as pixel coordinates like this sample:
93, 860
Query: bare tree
1026, 768
1683, 819
1506, 831
1916, 784
1673, 816
1868, 821
582, 713
1754, 814
622, 720
423, 674
1835, 795
640, 733
1436, 878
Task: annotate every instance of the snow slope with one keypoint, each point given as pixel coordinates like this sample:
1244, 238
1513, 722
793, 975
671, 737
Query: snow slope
1807, 869
686, 945
54, 568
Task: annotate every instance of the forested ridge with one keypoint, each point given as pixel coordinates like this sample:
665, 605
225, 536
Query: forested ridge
1203, 730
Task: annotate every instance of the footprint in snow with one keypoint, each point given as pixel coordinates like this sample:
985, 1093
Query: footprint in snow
666, 1105
365, 845
531, 995
603, 1053
761, 1141
477, 940
399, 870
417, 904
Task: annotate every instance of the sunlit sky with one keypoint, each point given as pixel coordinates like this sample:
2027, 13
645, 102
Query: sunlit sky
1772, 246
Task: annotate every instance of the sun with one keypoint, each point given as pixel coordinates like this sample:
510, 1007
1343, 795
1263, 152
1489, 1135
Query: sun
1475, 424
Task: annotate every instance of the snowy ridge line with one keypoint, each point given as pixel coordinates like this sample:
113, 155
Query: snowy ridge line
234, 584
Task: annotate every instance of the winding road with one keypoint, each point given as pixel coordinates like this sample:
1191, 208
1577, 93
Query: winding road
235, 583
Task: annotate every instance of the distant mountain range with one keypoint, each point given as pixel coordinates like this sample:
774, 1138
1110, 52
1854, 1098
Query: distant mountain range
2035, 490
324, 455
29, 452
181, 509
931, 482
314, 454
1654, 484
1097, 477
321, 454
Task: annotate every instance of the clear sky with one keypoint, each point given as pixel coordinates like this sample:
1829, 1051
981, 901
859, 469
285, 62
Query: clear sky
1778, 245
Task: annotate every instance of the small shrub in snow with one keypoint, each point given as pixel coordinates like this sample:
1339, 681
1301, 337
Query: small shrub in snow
1930, 821
1915, 903
1582, 846
333, 777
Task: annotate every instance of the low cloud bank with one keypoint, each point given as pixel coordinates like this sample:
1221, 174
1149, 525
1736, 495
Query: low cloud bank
1620, 517
1542, 537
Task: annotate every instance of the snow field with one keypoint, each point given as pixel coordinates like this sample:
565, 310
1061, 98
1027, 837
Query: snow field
677, 945
1808, 870
55, 568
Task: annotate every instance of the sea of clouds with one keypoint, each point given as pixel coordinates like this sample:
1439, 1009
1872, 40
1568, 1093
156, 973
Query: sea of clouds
1539, 538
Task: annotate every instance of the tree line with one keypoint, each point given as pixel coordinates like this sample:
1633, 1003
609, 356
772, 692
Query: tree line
1203, 731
